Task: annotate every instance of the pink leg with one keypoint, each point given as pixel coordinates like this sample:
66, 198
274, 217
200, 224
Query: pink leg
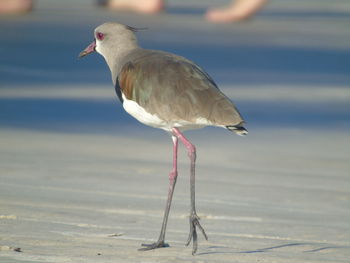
173, 173
172, 182
194, 219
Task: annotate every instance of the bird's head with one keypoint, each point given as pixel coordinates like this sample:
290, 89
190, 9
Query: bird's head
110, 39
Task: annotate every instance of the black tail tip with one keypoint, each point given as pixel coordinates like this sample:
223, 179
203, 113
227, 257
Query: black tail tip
238, 130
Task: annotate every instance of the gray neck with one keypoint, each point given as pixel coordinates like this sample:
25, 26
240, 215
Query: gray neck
117, 60
115, 55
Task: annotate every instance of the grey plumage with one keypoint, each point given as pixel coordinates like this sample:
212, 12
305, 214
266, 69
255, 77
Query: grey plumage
181, 90
168, 86
166, 91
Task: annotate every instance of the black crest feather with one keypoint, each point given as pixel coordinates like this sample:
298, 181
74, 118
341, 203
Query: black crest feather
135, 29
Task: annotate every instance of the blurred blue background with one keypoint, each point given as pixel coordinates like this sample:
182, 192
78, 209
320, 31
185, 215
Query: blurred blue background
288, 67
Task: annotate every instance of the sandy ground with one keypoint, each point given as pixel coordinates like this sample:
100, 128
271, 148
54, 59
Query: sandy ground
266, 202
80, 181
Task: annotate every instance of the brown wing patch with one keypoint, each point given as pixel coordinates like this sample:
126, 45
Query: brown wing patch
126, 80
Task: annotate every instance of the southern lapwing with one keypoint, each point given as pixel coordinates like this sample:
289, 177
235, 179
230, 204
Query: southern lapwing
165, 91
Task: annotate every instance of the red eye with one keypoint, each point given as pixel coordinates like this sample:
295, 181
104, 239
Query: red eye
100, 36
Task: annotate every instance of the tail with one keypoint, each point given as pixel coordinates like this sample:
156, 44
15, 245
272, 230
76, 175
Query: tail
239, 130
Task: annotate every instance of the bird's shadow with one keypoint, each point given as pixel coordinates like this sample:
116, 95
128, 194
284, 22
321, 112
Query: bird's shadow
267, 249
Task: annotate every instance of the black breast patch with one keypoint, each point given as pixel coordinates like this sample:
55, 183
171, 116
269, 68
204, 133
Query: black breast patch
118, 90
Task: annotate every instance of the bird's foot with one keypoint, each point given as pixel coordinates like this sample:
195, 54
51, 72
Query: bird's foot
158, 244
194, 222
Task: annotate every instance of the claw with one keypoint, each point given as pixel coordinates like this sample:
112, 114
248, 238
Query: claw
194, 221
158, 244
190, 235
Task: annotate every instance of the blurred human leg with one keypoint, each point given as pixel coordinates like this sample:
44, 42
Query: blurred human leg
238, 10
15, 6
140, 6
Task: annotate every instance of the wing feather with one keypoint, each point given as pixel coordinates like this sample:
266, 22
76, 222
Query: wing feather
174, 88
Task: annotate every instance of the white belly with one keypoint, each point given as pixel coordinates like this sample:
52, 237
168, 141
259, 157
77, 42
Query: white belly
153, 120
141, 115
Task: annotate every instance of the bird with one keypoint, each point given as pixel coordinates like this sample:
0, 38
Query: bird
169, 92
